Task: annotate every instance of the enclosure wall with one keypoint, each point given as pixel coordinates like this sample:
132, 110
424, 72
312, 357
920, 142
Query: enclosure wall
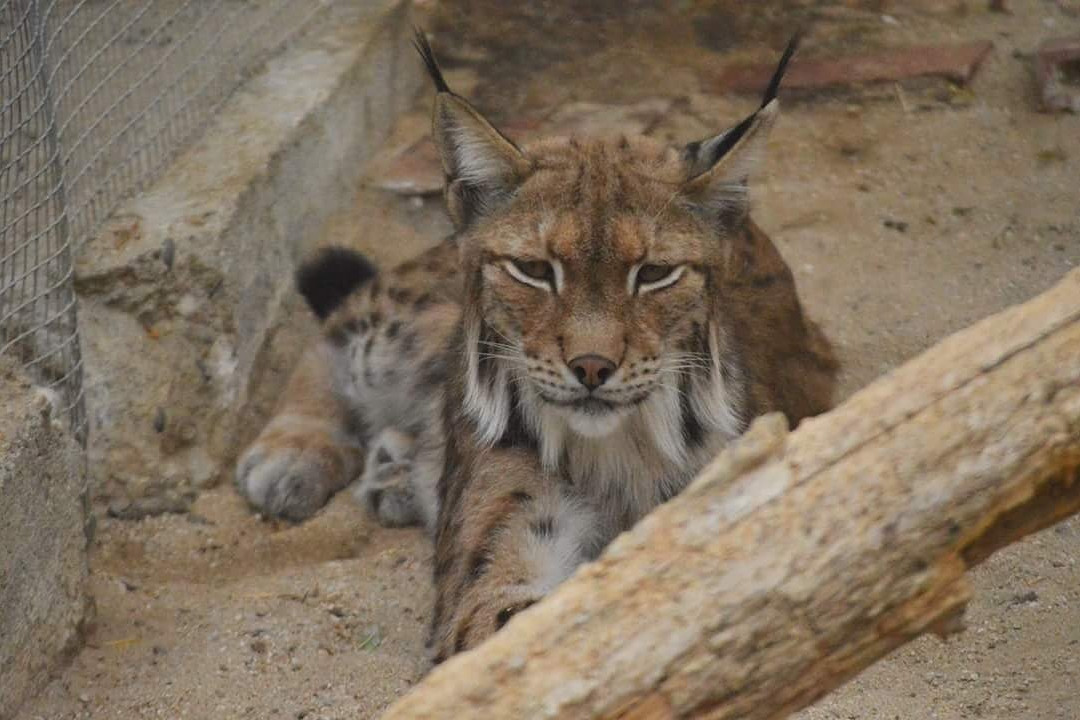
96, 98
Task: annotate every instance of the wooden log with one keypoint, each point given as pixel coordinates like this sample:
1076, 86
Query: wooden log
796, 560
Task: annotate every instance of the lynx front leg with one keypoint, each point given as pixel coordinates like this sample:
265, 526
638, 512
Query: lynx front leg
308, 451
521, 533
399, 479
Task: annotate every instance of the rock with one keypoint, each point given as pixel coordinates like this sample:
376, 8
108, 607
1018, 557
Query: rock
136, 509
1024, 598
1057, 72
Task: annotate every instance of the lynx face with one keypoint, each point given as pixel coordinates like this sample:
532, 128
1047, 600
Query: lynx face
592, 283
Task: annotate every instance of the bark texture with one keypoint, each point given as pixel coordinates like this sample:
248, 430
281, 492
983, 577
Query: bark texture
796, 560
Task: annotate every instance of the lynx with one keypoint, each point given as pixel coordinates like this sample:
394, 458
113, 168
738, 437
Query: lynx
605, 318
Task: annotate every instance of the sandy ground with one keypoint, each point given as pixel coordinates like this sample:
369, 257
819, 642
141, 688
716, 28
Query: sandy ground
904, 221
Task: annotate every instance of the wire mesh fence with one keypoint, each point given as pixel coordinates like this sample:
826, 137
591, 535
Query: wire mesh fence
95, 97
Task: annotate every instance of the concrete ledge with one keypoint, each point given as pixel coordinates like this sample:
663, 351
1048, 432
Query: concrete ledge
182, 290
43, 570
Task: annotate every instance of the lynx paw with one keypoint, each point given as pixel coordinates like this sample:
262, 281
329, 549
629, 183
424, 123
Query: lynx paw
480, 616
283, 482
386, 488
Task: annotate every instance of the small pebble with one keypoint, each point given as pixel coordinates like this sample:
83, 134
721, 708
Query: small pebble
1025, 598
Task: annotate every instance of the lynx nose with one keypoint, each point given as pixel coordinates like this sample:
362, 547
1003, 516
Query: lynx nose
592, 371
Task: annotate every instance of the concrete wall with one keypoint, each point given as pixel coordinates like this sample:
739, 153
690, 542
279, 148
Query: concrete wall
182, 291
43, 539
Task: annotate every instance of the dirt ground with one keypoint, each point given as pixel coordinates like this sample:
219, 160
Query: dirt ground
905, 214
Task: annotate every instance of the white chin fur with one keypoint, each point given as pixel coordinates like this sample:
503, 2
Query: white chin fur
592, 425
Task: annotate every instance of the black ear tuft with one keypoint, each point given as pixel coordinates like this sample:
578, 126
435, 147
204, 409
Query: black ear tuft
330, 276
781, 68
703, 155
422, 46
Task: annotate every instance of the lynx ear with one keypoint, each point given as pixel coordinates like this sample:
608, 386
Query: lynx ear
719, 167
481, 165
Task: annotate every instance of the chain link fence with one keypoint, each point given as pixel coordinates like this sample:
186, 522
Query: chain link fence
96, 96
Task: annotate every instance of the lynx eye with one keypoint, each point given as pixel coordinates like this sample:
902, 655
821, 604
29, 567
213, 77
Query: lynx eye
652, 273
655, 277
537, 273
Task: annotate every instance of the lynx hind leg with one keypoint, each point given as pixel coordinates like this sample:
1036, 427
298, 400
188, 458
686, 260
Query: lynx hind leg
307, 452
516, 547
398, 483
311, 448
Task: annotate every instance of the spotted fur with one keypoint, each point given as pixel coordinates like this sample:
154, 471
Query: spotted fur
605, 319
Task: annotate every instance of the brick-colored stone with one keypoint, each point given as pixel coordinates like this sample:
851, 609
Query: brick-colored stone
952, 62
